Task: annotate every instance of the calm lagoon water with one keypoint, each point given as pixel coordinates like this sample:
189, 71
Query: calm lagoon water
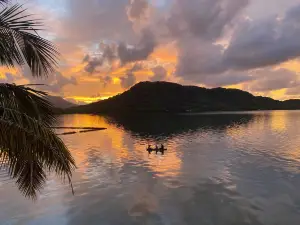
230, 168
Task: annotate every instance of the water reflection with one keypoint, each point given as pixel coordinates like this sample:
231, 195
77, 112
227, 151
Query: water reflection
238, 168
164, 126
151, 202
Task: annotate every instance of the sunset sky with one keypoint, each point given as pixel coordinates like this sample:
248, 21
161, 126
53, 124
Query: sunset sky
107, 46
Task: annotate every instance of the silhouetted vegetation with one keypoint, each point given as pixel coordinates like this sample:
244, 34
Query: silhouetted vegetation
29, 148
171, 97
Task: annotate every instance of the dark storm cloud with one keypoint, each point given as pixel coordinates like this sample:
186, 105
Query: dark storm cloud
130, 79
159, 74
54, 83
137, 9
196, 28
58, 83
253, 44
88, 22
198, 58
92, 64
86, 58
197, 25
265, 43
271, 80
139, 52
205, 19
293, 91
107, 53
227, 79
105, 80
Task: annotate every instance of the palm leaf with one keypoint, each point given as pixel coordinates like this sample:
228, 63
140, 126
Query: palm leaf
20, 44
29, 101
28, 146
2, 2
28, 149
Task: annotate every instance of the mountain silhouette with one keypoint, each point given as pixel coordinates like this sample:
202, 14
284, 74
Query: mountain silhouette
59, 102
172, 97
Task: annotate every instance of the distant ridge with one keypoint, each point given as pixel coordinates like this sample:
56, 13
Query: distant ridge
172, 97
59, 102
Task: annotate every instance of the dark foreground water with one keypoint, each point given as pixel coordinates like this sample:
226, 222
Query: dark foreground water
240, 168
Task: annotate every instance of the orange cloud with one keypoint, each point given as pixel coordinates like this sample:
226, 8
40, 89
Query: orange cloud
293, 65
165, 54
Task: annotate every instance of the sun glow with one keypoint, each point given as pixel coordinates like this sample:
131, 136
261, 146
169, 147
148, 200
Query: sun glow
116, 80
87, 100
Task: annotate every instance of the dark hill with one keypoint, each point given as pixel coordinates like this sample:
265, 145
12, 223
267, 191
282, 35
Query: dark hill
171, 97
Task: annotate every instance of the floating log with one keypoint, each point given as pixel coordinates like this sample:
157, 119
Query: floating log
80, 128
91, 130
67, 133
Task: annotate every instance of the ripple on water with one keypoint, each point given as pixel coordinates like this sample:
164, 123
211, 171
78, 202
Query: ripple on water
218, 169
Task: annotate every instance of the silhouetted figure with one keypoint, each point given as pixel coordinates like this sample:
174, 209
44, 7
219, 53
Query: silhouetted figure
149, 149
156, 149
162, 149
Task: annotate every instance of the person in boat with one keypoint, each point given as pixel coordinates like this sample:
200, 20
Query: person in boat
156, 149
149, 149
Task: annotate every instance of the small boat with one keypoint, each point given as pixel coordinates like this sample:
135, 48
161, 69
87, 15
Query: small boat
162, 149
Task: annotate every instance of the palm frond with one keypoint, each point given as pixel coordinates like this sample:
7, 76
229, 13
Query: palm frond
20, 44
2, 2
28, 101
29, 150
